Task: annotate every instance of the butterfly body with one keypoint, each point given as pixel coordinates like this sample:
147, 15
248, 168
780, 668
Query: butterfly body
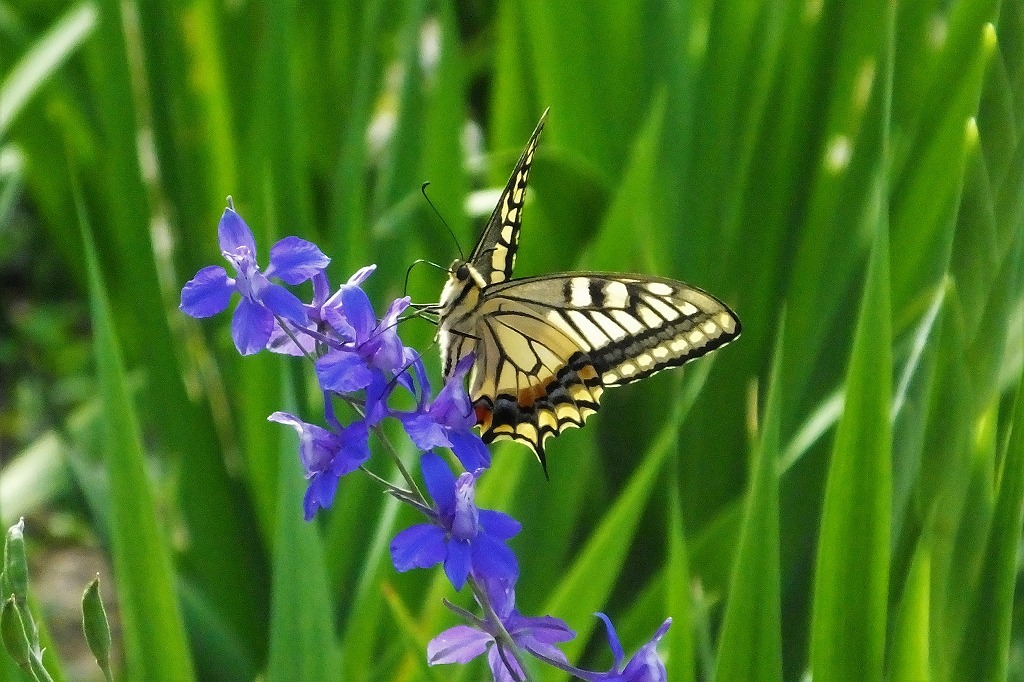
546, 347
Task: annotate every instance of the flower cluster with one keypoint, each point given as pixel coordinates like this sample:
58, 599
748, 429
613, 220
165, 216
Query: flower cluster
361, 362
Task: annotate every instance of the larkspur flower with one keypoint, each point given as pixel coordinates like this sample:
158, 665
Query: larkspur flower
466, 539
292, 260
536, 635
644, 666
368, 346
313, 332
448, 422
326, 457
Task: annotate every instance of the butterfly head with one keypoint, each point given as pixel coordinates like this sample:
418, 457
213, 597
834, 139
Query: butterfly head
462, 272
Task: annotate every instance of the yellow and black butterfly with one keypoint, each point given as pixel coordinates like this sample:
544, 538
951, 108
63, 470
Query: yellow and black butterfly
546, 347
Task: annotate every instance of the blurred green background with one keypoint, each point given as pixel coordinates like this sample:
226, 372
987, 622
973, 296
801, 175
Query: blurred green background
839, 491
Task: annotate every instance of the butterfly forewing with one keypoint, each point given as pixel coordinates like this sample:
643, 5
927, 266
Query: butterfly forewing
494, 255
546, 347
630, 326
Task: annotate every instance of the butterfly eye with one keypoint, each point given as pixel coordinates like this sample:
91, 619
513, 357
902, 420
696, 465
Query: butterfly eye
462, 273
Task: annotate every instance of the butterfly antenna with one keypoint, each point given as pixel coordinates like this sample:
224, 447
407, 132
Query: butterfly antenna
408, 271
423, 190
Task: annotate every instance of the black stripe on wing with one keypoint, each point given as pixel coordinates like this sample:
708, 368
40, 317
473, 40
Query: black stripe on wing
632, 326
494, 255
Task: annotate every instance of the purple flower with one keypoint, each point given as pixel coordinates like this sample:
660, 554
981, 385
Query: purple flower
292, 259
448, 422
368, 346
311, 333
536, 635
645, 666
466, 539
326, 457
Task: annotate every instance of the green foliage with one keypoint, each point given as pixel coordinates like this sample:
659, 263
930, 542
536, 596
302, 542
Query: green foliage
858, 165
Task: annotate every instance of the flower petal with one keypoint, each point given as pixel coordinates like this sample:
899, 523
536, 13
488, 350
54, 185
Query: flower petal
396, 308
284, 303
295, 260
459, 644
440, 482
646, 665
332, 312
501, 662
465, 522
537, 630
389, 352
452, 407
251, 326
419, 546
233, 233
470, 449
413, 360
502, 594
493, 559
319, 494
457, 563
355, 448
280, 342
357, 309
424, 431
377, 393
613, 641
206, 294
318, 447
360, 275
342, 370
499, 525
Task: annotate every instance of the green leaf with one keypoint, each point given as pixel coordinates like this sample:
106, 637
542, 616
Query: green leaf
852, 569
627, 235
302, 640
154, 634
750, 646
47, 56
987, 648
681, 660
587, 584
364, 623
908, 658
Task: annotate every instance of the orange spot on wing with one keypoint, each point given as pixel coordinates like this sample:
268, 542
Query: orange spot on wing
587, 372
529, 395
483, 416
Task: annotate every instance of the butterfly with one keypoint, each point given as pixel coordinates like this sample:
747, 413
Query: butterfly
545, 348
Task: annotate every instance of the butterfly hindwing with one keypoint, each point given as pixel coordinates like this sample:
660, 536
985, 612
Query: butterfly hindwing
494, 255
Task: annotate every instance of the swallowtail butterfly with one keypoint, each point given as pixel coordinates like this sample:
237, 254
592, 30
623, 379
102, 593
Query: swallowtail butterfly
547, 347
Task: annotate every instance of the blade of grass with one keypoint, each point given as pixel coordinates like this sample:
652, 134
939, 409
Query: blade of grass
987, 650
153, 631
909, 648
750, 646
587, 584
681, 664
301, 627
47, 55
851, 573
363, 627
